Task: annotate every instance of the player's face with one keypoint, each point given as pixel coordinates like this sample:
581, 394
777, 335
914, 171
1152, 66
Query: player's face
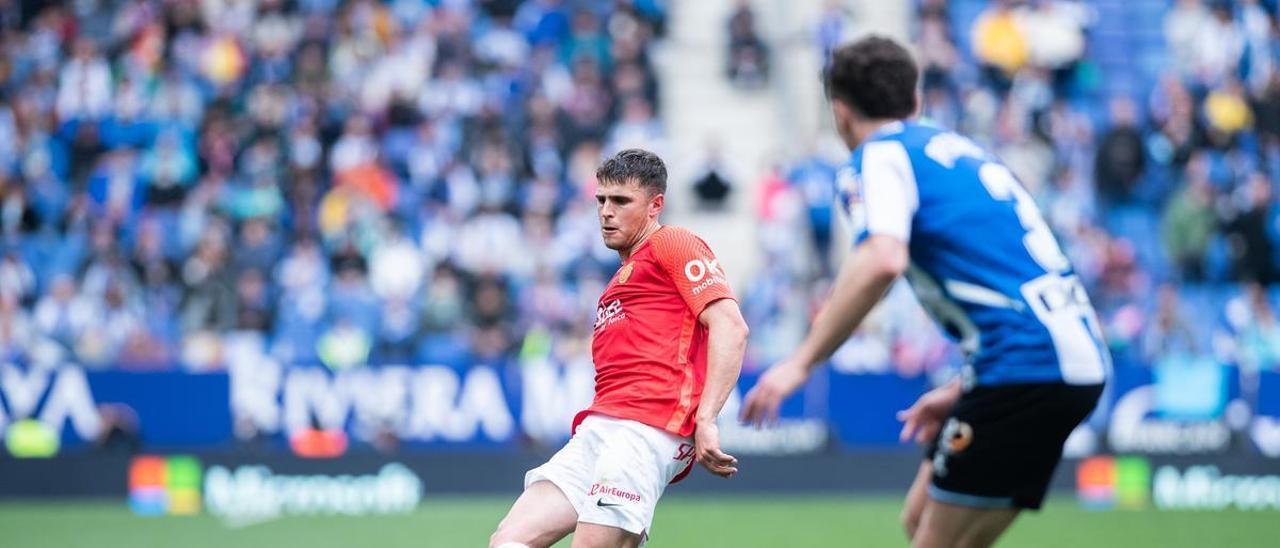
626, 210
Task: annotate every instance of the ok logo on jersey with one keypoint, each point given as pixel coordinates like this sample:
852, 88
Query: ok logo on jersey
698, 269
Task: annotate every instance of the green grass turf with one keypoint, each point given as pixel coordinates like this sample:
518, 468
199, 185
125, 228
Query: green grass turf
702, 522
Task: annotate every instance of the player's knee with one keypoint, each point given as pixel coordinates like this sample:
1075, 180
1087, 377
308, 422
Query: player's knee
978, 538
513, 534
910, 523
505, 537
499, 540
971, 541
928, 538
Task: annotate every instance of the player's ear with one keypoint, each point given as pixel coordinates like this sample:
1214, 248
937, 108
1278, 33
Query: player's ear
656, 203
844, 116
842, 112
837, 110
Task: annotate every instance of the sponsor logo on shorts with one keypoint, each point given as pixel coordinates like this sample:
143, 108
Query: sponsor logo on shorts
957, 436
599, 489
685, 452
940, 464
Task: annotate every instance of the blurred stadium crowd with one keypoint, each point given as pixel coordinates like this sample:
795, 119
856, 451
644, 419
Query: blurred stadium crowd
1147, 130
332, 181
365, 181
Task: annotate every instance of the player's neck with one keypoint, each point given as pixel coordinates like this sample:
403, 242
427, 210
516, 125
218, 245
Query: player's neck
863, 129
644, 236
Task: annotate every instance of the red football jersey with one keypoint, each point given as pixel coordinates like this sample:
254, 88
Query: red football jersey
649, 348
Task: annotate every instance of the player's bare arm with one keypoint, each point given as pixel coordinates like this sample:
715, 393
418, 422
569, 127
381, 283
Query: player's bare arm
863, 279
726, 344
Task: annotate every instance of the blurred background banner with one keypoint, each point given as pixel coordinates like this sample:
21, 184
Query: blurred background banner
1180, 406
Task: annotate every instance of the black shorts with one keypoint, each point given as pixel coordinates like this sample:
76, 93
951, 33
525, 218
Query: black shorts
1000, 445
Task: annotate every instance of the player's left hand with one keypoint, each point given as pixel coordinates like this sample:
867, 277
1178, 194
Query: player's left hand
706, 443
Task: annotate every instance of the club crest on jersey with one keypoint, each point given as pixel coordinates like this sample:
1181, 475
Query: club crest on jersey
625, 273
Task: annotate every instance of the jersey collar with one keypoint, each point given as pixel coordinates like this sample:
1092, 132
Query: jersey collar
888, 128
645, 243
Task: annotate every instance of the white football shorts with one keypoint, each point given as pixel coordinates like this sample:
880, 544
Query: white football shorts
614, 470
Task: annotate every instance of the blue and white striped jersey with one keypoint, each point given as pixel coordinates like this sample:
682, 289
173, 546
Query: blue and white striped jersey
983, 262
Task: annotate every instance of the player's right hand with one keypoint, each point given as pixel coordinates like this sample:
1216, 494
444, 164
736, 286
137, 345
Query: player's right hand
763, 401
706, 442
923, 419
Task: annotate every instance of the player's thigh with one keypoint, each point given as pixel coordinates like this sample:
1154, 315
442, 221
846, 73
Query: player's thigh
539, 518
945, 525
591, 535
999, 447
917, 497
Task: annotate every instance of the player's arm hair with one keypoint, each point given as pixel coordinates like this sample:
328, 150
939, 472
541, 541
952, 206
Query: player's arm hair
863, 279
726, 344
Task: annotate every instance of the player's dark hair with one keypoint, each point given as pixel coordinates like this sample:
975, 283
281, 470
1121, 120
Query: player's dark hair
633, 164
875, 76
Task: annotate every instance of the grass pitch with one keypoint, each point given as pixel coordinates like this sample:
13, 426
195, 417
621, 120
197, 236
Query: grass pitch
703, 522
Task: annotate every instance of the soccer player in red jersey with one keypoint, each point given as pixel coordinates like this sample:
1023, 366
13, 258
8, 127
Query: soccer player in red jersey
668, 347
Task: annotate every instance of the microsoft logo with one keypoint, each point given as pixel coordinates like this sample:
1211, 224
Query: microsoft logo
1114, 482
164, 485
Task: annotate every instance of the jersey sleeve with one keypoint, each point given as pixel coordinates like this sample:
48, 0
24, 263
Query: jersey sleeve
692, 267
889, 193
